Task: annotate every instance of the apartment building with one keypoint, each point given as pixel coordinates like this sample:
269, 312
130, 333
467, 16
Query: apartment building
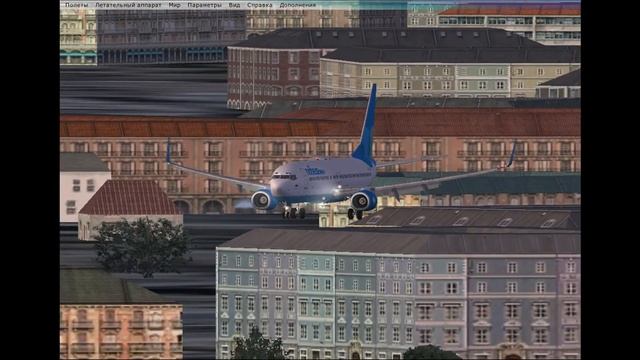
564, 86
81, 175
549, 24
471, 72
263, 21
78, 37
167, 36
103, 317
286, 64
372, 295
133, 147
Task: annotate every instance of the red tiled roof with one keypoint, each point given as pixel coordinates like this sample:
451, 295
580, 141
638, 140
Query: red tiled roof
390, 121
531, 9
130, 197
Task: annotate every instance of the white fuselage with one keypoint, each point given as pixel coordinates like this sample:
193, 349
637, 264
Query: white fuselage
318, 180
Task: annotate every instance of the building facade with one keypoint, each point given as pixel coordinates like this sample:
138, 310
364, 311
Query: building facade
78, 37
549, 24
167, 36
81, 175
263, 21
119, 322
132, 147
489, 73
353, 303
295, 64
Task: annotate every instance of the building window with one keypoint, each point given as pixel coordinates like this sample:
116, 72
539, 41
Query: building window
238, 280
451, 336
512, 268
341, 333
571, 309
224, 302
540, 336
482, 311
482, 85
540, 287
424, 268
224, 328
425, 311
452, 312
540, 71
294, 57
367, 71
571, 334
406, 85
512, 335
303, 332
424, 287
386, 71
541, 267
355, 265
264, 303
382, 308
291, 281
71, 207
409, 308
427, 85
571, 267
425, 336
540, 311
76, 185
381, 286
481, 267
500, 85
452, 288
481, 287
251, 306
355, 309
512, 311
396, 287
464, 85
570, 288
451, 267
396, 334
512, 287
408, 288
355, 332
341, 265
381, 333
482, 336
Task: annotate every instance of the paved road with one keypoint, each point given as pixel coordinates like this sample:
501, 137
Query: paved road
194, 286
184, 90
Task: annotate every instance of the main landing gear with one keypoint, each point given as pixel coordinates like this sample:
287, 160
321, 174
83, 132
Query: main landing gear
292, 212
351, 212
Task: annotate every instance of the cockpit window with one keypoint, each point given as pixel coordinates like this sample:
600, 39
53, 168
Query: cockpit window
287, 176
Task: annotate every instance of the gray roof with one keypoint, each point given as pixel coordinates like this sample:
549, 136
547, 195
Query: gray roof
76, 162
550, 54
95, 286
477, 217
569, 79
279, 107
403, 243
405, 38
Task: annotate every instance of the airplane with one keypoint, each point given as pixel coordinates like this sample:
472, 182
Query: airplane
328, 180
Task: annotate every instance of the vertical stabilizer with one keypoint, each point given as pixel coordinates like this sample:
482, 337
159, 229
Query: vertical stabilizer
364, 150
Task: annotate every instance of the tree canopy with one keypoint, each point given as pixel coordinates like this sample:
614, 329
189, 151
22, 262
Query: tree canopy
429, 352
257, 347
142, 246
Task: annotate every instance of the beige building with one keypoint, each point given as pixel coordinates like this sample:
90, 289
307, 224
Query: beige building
455, 139
78, 37
263, 21
125, 200
103, 317
548, 24
81, 175
489, 72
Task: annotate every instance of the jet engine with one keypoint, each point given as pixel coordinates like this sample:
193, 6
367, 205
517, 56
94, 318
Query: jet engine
263, 200
364, 200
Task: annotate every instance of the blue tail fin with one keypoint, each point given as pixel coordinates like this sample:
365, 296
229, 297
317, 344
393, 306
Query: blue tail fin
364, 150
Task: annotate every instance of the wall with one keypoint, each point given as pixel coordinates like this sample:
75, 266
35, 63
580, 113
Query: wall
80, 197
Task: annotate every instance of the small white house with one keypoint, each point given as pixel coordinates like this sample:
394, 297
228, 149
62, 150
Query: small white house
81, 175
129, 200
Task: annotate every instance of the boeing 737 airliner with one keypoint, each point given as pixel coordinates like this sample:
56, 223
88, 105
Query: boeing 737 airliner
326, 180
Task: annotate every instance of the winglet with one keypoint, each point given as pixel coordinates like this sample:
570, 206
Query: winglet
513, 154
168, 158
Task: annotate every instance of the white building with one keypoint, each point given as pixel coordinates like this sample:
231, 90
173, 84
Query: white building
81, 175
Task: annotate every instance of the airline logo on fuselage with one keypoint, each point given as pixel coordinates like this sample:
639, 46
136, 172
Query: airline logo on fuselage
314, 171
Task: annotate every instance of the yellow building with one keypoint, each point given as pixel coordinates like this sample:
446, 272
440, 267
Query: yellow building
78, 37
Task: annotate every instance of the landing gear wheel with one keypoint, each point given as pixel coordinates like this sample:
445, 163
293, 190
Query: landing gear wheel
292, 213
359, 214
350, 213
284, 214
302, 213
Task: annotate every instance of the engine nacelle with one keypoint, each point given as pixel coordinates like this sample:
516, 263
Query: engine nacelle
263, 200
364, 200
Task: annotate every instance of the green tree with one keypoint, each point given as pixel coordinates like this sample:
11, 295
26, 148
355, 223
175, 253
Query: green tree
142, 246
257, 347
429, 352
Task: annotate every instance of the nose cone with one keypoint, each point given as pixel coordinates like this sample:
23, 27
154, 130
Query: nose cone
276, 187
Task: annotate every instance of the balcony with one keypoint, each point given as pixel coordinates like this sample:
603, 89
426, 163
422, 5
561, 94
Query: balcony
143, 154
176, 324
145, 348
176, 348
255, 173
111, 325
110, 348
275, 154
383, 153
156, 324
137, 325
82, 348
213, 153
82, 325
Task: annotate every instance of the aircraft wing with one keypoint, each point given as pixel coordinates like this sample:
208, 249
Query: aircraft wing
230, 179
